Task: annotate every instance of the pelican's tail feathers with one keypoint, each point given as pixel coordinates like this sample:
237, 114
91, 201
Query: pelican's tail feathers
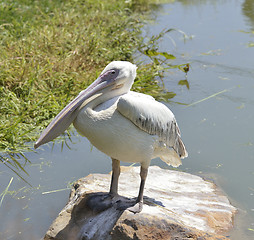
170, 157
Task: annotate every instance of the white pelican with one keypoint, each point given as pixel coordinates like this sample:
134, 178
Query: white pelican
125, 125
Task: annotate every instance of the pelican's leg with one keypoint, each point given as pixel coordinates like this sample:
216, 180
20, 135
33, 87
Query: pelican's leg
100, 202
115, 176
139, 203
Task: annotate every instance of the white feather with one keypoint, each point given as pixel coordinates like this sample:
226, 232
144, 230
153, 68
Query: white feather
156, 119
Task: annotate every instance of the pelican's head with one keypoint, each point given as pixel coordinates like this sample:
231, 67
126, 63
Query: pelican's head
116, 79
120, 73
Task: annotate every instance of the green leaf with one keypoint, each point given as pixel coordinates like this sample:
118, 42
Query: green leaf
151, 53
167, 55
169, 95
184, 83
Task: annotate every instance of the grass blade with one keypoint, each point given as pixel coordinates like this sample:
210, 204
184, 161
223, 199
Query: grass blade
211, 96
57, 190
5, 192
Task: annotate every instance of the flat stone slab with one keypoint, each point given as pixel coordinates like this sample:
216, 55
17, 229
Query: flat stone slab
177, 205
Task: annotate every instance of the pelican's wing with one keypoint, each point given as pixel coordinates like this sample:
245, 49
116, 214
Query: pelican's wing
154, 118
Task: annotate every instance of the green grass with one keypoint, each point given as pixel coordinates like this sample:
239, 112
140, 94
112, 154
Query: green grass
51, 50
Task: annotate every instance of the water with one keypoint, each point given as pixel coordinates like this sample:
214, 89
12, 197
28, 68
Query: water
218, 131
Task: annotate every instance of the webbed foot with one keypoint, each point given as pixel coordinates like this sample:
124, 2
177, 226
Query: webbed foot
130, 204
137, 208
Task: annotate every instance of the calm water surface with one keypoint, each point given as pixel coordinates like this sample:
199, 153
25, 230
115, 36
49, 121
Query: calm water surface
218, 131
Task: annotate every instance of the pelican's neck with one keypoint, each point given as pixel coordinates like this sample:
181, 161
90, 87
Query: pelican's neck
112, 92
104, 101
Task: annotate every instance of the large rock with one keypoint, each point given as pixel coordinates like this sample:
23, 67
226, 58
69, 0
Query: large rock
177, 205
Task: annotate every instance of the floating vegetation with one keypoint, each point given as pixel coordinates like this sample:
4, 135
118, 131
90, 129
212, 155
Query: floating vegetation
250, 43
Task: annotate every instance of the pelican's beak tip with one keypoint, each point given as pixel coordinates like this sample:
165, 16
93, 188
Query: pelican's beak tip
36, 145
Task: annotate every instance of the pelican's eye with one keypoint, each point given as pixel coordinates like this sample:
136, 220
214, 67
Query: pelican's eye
110, 75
